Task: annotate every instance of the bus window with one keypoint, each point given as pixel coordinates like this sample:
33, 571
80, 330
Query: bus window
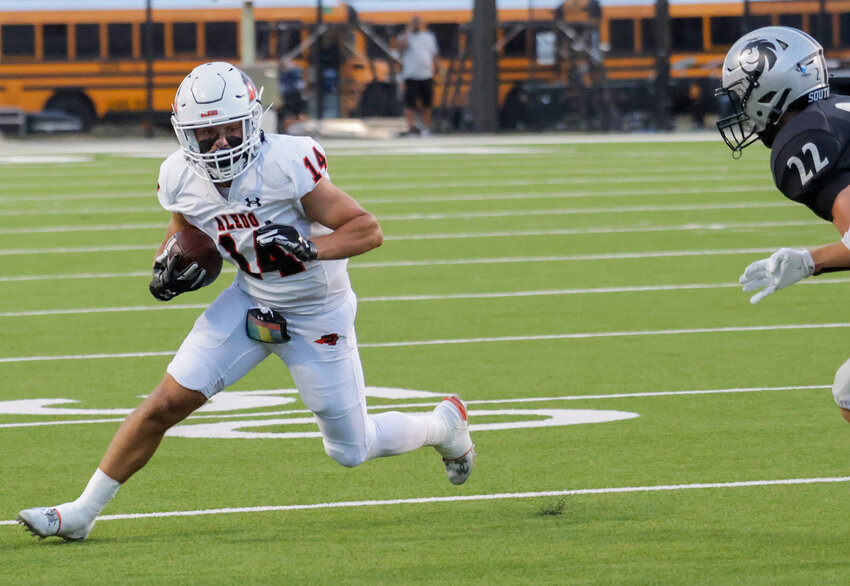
185, 38
621, 36
544, 42
220, 39
447, 37
516, 45
157, 39
686, 34
288, 37
844, 29
87, 40
821, 29
262, 35
762, 20
792, 20
55, 41
647, 33
120, 40
18, 40
725, 30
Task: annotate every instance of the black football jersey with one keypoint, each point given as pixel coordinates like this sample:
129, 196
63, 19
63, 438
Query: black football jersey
810, 156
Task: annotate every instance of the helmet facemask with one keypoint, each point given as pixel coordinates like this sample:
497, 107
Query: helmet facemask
737, 129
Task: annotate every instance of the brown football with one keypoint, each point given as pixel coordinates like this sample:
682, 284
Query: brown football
194, 245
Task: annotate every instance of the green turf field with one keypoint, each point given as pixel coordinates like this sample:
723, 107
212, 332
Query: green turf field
637, 420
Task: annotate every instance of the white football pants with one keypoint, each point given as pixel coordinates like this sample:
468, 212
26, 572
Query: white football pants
329, 377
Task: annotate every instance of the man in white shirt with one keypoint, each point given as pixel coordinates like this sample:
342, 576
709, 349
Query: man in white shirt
418, 65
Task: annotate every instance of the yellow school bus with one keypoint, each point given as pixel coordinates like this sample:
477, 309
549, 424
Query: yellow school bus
91, 61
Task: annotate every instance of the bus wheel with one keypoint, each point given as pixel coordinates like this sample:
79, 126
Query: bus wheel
76, 105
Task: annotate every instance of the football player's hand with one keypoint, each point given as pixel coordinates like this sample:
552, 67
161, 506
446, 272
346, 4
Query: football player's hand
288, 239
784, 267
168, 282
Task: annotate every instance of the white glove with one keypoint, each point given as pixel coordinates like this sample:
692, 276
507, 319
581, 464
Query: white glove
784, 267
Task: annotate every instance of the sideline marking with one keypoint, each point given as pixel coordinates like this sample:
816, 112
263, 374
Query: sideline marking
537, 338
472, 497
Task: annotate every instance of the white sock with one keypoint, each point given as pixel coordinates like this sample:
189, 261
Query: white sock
399, 433
97, 494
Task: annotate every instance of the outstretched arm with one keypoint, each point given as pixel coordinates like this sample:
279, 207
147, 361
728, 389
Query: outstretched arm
787, 266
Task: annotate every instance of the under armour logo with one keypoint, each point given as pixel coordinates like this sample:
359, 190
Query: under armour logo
252, 202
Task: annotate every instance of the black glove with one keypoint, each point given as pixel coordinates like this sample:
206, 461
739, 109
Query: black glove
288, 239
167, 283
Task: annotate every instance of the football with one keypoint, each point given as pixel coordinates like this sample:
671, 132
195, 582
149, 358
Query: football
194, 245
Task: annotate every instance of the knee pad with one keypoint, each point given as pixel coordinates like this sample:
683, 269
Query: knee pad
841, 386
345, 455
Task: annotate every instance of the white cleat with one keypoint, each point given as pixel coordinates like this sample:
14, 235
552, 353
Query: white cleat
457, 450
47, 521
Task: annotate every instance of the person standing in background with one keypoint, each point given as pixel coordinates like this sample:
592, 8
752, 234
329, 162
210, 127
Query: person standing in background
419, 63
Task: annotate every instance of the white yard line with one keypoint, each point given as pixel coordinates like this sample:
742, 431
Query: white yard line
22, 278
67, 211
455, 262
413, 199
435, 297
454, 184
690, 227
90, 228
79, 249
481, 340
578, 211
529, 168
29, 199
475, 497
536, 182
441, 216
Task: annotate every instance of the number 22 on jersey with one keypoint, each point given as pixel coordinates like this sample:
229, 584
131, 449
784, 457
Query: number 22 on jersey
819, 163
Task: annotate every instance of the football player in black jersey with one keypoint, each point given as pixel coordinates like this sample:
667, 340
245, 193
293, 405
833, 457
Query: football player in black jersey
775, 81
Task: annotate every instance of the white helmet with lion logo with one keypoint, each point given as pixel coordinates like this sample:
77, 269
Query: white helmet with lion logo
213, 94
765, 72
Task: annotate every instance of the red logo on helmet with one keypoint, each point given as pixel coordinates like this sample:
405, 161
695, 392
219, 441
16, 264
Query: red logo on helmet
209, 113
252, 89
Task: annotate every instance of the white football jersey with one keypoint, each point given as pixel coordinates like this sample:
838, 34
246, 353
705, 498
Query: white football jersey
287, 168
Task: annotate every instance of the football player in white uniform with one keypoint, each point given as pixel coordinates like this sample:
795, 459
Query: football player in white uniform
269, 204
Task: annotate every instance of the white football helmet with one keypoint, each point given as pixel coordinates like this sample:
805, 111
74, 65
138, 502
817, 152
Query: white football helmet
213, 94
766, 71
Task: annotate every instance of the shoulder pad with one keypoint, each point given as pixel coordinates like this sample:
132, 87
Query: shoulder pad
169, 179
